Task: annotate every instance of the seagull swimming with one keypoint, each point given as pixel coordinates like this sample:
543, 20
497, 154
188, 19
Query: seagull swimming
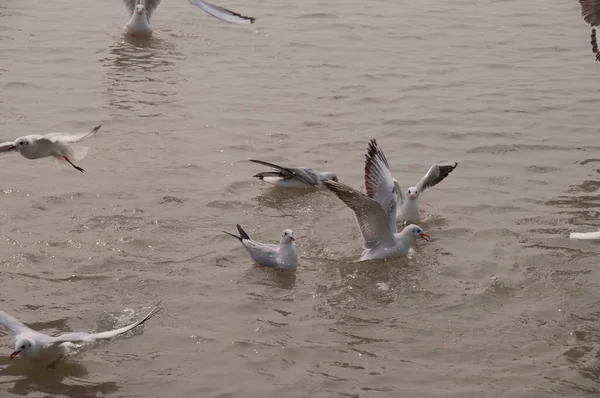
585, 235
34, 345
293, 177
380, 239
140, 12
35, 146
590, 12
282, 256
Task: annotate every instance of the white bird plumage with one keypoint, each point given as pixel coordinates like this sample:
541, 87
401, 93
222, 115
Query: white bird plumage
380, 239
585, 235
57, 145
389, 191
31, 344
282, 256
140, 13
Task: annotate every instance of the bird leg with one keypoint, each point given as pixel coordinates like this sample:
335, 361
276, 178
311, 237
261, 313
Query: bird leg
53, 364
76, 167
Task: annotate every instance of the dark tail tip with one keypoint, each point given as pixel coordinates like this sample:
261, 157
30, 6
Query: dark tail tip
594, 43
230, 234
243, 233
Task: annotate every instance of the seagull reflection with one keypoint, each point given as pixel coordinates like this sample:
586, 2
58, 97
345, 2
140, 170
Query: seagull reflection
35, 377
141, 73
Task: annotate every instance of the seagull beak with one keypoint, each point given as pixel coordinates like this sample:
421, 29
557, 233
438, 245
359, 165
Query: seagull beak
424, 236
412, 196
13, 355
292, 239
11, 148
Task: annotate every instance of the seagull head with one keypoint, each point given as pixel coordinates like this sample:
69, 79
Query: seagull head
417, 232
139, 8
20, 143
413, 193
22, 345
287, 236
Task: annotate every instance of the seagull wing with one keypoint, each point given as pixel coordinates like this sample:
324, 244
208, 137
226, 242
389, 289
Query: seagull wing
372, 220
222, 13
308, 176
435, 175
13, 324
71, 138
380, 184
5, 146
590, 11
91, 337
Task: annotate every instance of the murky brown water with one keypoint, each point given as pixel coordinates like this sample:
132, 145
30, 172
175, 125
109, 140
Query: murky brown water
500, 303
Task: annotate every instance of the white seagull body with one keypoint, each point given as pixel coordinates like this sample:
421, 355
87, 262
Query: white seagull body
30, 344
282, 256
380, 239
57, 145
293, 177
140, 13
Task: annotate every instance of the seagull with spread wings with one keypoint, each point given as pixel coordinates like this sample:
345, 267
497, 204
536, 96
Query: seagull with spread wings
140, 13
57, 145
34, 345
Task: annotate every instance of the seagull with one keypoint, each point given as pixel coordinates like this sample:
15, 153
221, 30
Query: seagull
590, 12
293, 177
140, 12
382, 187
282, 256
409, 206
35, 146
380, 239
585, 235
33, 345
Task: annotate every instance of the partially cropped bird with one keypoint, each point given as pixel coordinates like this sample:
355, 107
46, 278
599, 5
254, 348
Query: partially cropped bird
140, 13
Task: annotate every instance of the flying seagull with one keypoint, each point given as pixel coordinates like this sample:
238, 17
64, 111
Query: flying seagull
33, 345
35, 146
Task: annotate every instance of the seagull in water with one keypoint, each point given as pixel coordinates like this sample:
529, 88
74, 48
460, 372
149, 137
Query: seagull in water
380, 239
293, 177
282, 256
379, 176
590, 12
34, 345
140, 12
37, 146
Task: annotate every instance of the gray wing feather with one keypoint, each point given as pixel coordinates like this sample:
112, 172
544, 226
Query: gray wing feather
260, 252
435, 175
151, 5
12, 324
590, 11
90, 337
372, 220
130, 5
308, 176
5, 145
71, 138
222, 13
380, 184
